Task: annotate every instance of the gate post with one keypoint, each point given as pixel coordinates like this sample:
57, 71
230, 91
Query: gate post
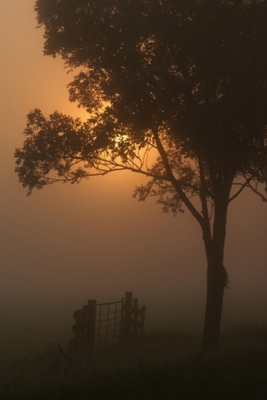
143, 312
90, 326
135, 315
127, 323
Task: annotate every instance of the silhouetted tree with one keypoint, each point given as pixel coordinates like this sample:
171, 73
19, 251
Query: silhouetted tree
186, 79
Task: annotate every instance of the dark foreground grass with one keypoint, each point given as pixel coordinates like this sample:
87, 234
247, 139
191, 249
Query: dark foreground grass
164, 365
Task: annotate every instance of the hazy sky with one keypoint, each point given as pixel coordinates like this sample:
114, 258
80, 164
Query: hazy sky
70, 243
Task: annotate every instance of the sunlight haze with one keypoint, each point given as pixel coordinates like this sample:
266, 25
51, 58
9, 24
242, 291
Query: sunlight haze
68, 243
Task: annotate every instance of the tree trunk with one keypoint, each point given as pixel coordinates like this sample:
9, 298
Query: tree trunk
217, 277
216, 281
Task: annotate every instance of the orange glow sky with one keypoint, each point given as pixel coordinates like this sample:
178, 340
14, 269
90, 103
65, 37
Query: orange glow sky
71, 243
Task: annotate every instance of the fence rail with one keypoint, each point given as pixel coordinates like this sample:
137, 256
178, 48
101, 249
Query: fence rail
104, 324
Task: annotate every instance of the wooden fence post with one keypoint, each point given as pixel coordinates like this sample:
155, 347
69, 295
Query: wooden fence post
84, 328
76, 344
135, 314
128, 314
90, 326
143, 312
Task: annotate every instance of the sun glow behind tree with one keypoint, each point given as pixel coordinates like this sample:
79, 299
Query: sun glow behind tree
175, 81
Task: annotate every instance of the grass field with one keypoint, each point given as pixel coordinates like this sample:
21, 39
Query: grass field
165, 364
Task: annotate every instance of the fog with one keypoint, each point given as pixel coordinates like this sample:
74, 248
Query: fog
68, 243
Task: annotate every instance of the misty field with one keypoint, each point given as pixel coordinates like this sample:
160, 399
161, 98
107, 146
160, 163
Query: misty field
165, 364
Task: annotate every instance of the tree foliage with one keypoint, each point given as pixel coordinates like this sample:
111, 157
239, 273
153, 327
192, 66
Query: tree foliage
194, 72
185, 79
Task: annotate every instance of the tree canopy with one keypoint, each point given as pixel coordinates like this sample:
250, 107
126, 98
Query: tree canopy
186, 79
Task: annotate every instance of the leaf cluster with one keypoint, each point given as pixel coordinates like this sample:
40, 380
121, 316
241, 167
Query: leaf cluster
186, 77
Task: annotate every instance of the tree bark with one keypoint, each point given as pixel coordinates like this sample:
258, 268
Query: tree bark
216, 281
217, 277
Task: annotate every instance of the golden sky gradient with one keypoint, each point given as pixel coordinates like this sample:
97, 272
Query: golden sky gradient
93, 240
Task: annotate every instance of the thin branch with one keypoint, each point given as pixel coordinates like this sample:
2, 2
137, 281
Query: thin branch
246, 183
175, 182
243, 186
258, 193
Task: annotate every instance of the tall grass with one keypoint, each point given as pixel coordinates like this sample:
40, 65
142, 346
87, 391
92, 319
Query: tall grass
165, 364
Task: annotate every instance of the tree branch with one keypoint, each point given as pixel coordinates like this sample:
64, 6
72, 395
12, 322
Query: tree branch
258, 193
202, 195
174, 181
246, 183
